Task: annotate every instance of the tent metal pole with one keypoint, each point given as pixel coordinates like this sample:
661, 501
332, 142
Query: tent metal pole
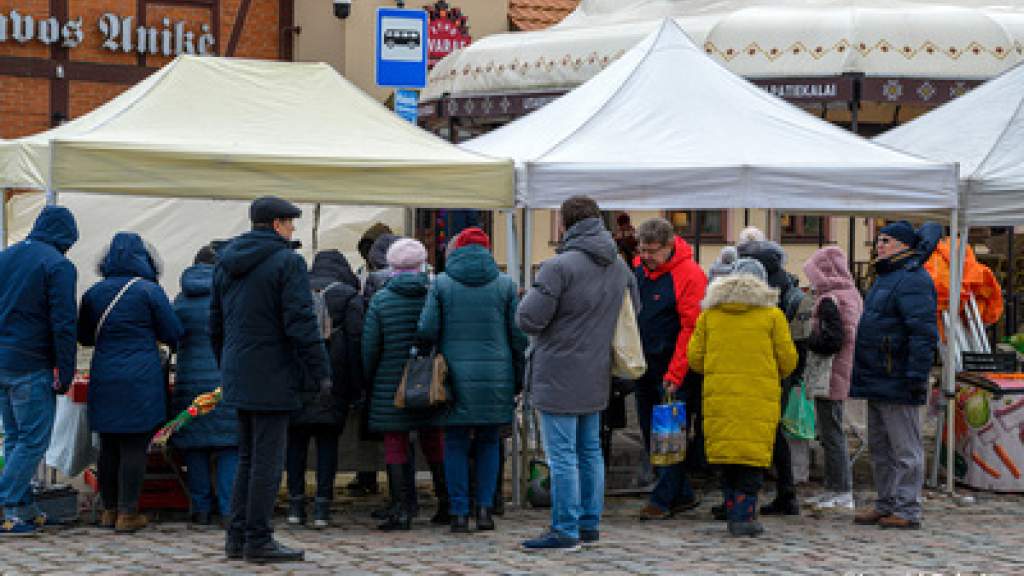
51, 192
3, 218
512, 247
697, 237
1010, 323
949, 368
852, 248
528, 248
316, 228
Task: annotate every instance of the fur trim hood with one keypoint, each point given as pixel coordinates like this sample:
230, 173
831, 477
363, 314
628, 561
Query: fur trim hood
742, 289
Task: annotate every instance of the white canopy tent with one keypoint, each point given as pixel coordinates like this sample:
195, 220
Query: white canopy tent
984, 132
666, 127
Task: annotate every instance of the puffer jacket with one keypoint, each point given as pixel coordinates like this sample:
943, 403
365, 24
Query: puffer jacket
388, 334
830, 278
37, 298
471, 312
332, 275
743, 347
127, 391
197, 367
897, 335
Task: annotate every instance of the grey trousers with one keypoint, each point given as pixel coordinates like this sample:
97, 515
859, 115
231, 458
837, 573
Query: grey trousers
833, 442
894, 437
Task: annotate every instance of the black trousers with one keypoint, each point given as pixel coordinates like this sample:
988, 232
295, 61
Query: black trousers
326, 459
262, 438
743, 479
782, 460
122, 469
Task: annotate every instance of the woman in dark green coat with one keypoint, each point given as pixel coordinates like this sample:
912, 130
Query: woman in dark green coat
470, 313
389, 332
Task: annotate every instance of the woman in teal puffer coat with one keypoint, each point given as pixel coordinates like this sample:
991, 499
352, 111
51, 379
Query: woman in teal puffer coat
471, 313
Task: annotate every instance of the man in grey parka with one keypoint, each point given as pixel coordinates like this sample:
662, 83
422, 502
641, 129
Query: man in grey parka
571, 313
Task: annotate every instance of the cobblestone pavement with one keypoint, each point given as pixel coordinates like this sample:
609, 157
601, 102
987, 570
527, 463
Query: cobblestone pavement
982, 538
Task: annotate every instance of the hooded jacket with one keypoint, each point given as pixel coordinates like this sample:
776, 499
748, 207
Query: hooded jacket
897, 335
332, 274
830, 278
379, 269
37, 298
388, 335
197, 367
669, 305
127, 391
571, 311
262, 325
742, 346
471, 313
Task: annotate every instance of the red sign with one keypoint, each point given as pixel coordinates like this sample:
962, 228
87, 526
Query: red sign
448, 31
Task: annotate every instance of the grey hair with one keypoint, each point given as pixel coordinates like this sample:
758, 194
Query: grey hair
656, 231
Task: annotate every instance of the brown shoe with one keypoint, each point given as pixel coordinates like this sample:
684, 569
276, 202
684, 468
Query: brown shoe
127, 523
107, 519
868, 517
652, 512
894, 521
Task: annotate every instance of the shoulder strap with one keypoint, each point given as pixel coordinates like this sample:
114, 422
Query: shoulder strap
103, 318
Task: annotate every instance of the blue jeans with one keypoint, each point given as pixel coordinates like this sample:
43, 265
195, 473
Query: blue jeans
200, 483
457, 440
27, 405
572, 443
673, 487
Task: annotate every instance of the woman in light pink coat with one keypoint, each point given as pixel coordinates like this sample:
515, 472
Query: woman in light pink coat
837, 310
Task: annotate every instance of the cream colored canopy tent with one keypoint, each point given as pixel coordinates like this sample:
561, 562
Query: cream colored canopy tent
225, 128
753, 38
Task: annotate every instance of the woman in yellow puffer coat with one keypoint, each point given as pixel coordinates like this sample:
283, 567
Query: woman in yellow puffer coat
742, 346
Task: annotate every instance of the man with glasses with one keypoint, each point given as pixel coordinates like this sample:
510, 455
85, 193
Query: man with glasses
671, 286
895, 349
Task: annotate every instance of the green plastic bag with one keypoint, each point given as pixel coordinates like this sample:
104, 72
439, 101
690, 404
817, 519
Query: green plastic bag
798, 419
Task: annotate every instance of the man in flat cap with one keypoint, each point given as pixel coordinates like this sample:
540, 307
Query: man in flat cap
265, 336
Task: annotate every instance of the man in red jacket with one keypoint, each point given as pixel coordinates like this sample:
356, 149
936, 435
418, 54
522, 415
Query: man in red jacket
671, 287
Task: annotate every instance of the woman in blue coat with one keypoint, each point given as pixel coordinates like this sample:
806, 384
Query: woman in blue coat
125, 316
470, 313
215, 435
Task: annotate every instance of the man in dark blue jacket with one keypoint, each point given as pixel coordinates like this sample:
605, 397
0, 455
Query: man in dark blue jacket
896, 342
265, 335
37, 335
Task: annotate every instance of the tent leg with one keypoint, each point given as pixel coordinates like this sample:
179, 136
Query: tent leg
528, 249
512, 247
949, 368
316, 228
3, 218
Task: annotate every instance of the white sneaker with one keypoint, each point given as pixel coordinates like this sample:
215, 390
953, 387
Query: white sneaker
818, 498
842, 500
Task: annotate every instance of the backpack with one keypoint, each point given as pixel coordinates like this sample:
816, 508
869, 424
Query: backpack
323, 315
798, 309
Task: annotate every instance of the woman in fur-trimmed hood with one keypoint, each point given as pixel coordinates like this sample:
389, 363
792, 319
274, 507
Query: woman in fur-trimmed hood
742, 346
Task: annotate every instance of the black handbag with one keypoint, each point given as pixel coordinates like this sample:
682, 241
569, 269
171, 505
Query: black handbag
424, 382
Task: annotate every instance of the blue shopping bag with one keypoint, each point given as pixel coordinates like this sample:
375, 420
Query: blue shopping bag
668, 433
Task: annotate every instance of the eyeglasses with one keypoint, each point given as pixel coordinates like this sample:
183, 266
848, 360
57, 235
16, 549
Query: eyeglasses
650, 250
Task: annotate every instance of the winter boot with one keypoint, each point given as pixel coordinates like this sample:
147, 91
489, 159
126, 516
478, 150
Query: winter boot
399, 518
440, 517
741, 516
782, 505
721, 513
321, 513
296, 510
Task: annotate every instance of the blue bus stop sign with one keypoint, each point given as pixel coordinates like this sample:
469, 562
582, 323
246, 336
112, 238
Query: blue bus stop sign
401, 48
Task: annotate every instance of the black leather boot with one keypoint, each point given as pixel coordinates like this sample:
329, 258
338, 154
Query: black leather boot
440, 517
399, 518
271, 552
484, 521
460, 524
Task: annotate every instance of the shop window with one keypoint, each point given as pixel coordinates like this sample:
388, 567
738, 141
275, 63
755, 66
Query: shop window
804, 229
712, 224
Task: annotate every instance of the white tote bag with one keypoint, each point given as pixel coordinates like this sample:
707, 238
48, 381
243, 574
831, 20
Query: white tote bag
627, 350
71, 444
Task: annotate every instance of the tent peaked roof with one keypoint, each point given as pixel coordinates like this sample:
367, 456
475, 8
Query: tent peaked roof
983, 131
665, 126
234, 128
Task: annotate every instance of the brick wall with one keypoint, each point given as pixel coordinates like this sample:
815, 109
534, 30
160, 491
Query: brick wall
25, 103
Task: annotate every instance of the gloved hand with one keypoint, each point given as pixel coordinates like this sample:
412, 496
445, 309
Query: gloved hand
669, 387
326, 396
